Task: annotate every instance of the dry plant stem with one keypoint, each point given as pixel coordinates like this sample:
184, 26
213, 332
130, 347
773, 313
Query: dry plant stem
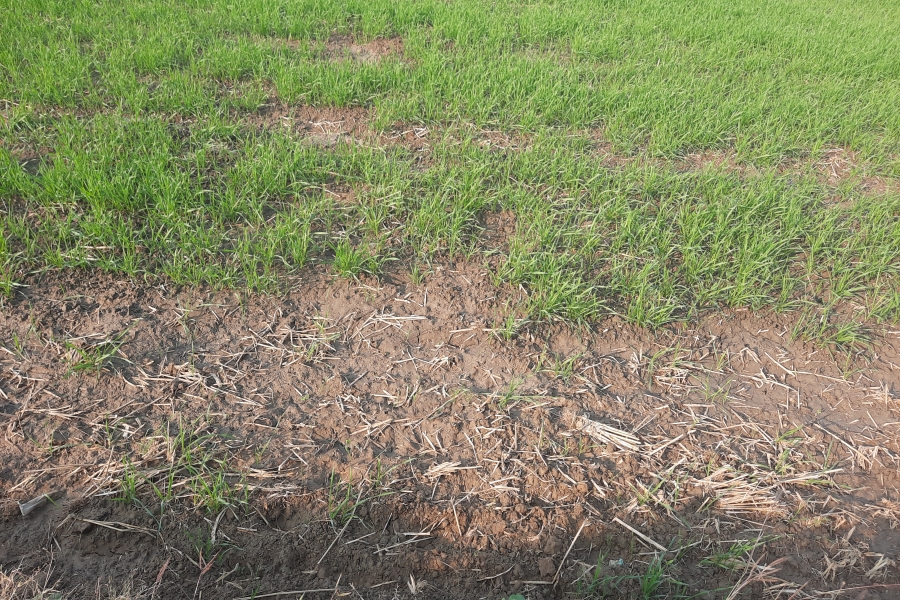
337, 537
288, 593
566, 555
640, 535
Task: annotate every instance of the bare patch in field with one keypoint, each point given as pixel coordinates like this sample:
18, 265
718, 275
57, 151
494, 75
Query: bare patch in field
837, 167
343, 47
372, 434
324, 126
840, 165
712, 159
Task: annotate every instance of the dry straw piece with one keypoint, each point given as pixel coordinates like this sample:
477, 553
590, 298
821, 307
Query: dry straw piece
603, 434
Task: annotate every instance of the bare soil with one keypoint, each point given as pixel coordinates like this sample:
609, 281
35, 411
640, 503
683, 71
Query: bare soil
341, 47
836, 167
321, 126
475, 466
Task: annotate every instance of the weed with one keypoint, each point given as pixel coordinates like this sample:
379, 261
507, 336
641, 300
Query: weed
318, 343
350, 261
163, 488
650, 581
128, 489
92, 356
417, 274
657, 574
509, 328
646, 495
714, 393
207, 547
344, 499
193, 470
213, 489
18, 346
378, 479
846, 337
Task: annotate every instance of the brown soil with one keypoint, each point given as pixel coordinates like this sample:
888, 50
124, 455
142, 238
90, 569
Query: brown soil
836, 167
340, 47
325, 126
474, 466
839, 165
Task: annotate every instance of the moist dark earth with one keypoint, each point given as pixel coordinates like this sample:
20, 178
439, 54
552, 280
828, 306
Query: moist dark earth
397, 439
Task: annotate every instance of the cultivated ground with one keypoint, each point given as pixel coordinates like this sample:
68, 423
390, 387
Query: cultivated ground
449, 300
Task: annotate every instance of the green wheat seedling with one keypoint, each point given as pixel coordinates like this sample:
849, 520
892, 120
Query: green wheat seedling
342, 501
563, 368
509, 328
350, 261
735, 556
509, 395
599, 582
656, 576
192, 469
129, 482
606, 218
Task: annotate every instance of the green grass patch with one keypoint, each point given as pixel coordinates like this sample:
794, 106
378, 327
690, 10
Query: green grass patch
149, 167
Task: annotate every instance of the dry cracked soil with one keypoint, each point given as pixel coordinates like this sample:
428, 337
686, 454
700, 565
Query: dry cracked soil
390, 439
